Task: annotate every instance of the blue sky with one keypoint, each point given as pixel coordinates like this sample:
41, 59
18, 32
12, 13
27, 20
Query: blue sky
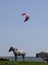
32, 35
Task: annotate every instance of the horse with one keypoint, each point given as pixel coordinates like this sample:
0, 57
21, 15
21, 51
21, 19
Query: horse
4, 59
17, 52
43, 55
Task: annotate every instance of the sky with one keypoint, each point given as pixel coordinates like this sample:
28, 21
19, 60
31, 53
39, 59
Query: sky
31, 36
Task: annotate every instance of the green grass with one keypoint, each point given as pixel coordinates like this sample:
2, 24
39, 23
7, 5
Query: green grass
22, 63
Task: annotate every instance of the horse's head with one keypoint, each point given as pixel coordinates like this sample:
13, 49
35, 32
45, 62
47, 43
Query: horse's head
11, 48
37, 55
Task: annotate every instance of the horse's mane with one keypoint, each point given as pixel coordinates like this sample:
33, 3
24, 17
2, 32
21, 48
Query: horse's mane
14, 48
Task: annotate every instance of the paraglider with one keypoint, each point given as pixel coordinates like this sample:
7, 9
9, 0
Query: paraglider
27, 16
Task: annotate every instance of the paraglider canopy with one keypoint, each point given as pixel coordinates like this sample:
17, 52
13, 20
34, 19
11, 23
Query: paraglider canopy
27, 16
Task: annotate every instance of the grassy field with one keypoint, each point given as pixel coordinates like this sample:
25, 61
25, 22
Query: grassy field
22, 63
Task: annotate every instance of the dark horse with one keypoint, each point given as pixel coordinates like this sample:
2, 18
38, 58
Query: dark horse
43, 55
17, 52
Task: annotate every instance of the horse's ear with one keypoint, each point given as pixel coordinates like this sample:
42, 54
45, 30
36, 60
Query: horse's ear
11, 47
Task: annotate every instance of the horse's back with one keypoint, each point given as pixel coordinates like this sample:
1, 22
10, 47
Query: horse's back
22, 51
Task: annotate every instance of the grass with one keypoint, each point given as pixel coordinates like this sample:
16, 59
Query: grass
22, 63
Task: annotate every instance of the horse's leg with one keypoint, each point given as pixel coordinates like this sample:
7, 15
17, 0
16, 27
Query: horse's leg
15, 57
23, 57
